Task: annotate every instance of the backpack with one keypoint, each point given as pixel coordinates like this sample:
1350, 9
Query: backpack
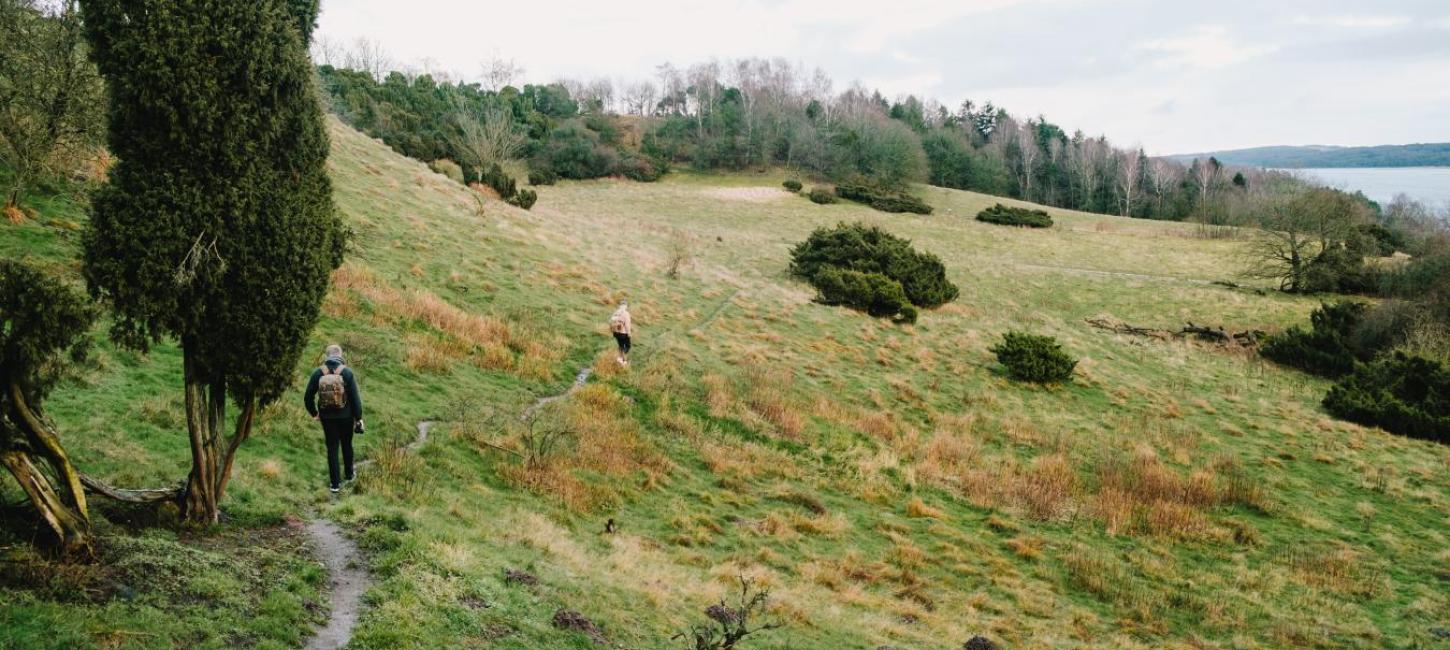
331, 389
616, 322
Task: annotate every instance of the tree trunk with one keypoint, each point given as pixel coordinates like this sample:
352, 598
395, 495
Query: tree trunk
72, 527
212, 454
63, 509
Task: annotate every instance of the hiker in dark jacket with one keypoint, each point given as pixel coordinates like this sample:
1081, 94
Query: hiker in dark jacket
333, 398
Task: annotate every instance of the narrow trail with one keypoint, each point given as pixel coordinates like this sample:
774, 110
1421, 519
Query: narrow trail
587, 371
349, 579
579, 381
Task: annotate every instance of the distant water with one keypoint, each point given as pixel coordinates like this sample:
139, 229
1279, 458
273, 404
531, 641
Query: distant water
1430, 185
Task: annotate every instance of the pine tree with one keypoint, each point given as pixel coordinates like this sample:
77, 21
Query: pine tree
217, 226
43, 325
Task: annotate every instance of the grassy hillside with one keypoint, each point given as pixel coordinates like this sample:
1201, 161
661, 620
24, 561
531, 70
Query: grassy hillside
888, 484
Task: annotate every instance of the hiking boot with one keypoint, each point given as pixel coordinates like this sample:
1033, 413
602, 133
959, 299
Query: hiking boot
335, 488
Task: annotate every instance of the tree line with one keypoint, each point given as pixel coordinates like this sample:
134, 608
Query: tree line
752, 113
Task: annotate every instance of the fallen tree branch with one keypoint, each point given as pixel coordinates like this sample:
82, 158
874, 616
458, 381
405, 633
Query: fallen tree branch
1219, 335
96, 486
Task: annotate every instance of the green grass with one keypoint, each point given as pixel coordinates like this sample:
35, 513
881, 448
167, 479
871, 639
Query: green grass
889, 484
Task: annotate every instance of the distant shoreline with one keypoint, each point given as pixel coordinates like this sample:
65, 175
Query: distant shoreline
1327, 157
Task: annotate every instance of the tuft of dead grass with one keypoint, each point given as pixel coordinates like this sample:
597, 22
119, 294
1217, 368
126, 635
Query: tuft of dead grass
917, 509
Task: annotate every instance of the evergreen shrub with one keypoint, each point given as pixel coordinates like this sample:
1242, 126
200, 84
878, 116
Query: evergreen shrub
822, 196
1006, 216
1402, 394
1034, 358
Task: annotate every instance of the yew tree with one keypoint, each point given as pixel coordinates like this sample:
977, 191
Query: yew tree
217, 227
43, 329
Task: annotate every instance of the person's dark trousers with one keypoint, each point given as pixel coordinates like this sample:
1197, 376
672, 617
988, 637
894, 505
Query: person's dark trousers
623, 341
339, 434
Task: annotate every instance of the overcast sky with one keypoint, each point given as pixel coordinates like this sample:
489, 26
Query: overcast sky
1173, 76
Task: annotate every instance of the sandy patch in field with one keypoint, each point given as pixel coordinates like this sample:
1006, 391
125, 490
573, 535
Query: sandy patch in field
747, 194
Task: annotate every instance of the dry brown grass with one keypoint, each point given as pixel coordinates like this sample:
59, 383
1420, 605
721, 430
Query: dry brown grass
947, 456
493, 342
397, 473
1028, 547
606, 441
270, 468
14, 215
747, 460
431, 355
878, 425
1048, 487
768, 393
1339, 569
718, 396
917, 509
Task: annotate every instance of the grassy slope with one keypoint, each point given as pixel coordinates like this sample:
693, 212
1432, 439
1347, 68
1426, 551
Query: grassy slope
887, 483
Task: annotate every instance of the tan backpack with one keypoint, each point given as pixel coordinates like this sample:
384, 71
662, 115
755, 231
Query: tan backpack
331, 389
616, 322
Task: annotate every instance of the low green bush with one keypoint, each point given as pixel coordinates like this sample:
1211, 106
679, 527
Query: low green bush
1341, 270
524, 198
872, 250
496, 178
792, 185
542, 177
1008, 216
447, 168
1328, 348
873, 293
1401, 394
574, 151
1029, 357
640, 168
822, 195
882, 199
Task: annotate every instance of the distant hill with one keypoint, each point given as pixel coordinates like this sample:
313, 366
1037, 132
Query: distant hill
1393, 155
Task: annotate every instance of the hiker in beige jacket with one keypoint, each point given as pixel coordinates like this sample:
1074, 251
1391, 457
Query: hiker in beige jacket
622, 326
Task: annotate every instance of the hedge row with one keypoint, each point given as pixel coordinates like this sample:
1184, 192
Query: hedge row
882, 199
1007, 216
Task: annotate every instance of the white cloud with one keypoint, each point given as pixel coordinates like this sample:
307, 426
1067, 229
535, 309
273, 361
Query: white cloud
1353, 21
1209, 47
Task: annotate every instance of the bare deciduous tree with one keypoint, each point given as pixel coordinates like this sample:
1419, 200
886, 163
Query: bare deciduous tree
487, 138
326, 51
639, 97
51, 97
1295, 230
1164, 174
1206, 177
1130, 168
672, 87
368, 55
499, 73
